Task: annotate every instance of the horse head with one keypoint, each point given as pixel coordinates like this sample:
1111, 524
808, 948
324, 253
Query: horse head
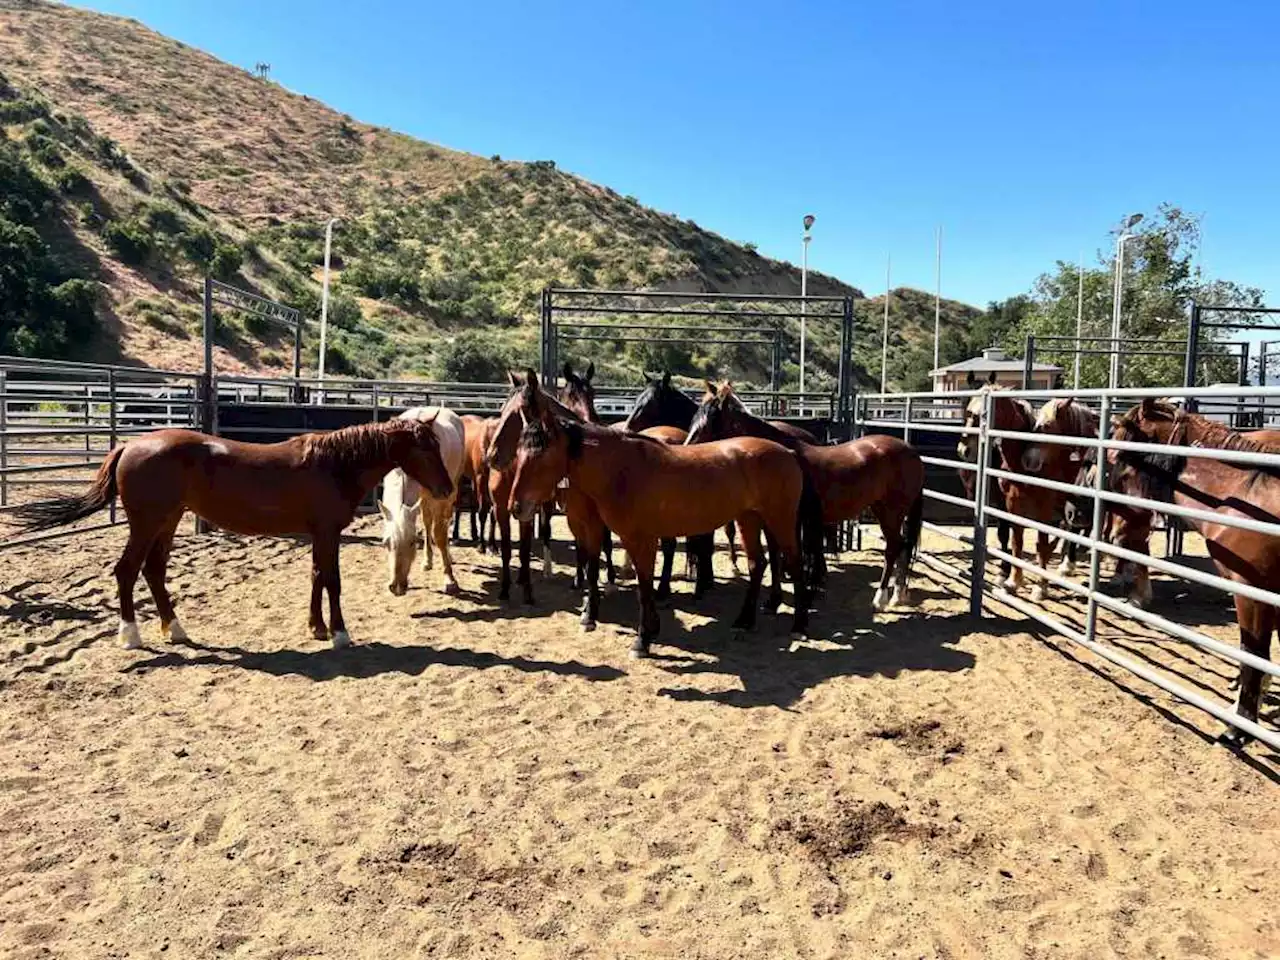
717, 416
579, 394
660, 404
416, 450
542, 449
1059, 417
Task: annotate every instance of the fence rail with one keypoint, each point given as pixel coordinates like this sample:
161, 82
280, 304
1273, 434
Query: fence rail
908, 413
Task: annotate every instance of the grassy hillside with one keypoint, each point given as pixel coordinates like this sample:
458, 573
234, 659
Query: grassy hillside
162, 163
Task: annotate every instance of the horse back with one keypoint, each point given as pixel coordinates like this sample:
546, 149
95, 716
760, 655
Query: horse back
859, 473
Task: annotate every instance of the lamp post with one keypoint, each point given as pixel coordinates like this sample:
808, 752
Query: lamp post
804, 293
324, 300
1130, 222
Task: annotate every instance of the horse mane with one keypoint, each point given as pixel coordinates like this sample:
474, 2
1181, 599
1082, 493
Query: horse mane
1076, 419
353, 448
1214, 434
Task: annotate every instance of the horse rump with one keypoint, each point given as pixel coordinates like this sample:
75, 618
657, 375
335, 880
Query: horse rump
61, 510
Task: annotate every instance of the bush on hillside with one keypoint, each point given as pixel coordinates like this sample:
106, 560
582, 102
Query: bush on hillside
227, 260
129, 240
470, 357
41, 314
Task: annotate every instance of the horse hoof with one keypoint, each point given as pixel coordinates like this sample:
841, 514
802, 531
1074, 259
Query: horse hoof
880, 600
1234, 738
173, 631
130, 638
799, 635
639, 650
341, 639
528, 600
1038, 594
610, 588
588, 626
901, 598
451, 589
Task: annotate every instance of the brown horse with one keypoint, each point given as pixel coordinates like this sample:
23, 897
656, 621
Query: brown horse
876, 472
699, 550
645, 490
311, 484
479, 430
579, 395
1212, 485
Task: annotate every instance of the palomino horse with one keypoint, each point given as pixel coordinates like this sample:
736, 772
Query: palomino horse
403, 502
645, 490
1061, 417
579, 395
876, 472
311, 484
1218, 487
660, 404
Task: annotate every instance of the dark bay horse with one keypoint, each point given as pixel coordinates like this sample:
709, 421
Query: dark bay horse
646, 490
877, 472
1219, 487
311, 484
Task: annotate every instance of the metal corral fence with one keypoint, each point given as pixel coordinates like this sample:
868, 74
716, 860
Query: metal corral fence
58, 420
916, 416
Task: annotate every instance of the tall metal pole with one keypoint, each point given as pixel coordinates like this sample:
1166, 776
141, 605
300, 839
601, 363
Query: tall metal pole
804, 294
937, 301
1075, 384
324, 301
884, 336
1125, 236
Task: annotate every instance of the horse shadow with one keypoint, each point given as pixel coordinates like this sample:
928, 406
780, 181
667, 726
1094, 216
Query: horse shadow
775, 672
360, 662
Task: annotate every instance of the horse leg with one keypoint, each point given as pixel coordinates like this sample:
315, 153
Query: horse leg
525, 578
457, 526
126, 570
891, 530
588, 549
503, 522
1044, 556
786, 541
749, 526
668, 559
643, 553
703, 547
612, 582
1256, 622
774, 599
1002, 535
326, 545
730, 532
1069, 552
153, 570
428, 554
440, 526
548, 565
1014, 581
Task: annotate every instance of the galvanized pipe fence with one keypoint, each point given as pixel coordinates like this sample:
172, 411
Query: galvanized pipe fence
917, 414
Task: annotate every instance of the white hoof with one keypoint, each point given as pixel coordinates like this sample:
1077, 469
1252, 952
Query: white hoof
341, 639
1013, 584
548, 566
130, 639
880, 600
901, 598
451, 588
174, 631
1037, 594
1067, 568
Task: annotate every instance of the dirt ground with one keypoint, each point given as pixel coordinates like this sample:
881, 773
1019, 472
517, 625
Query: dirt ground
473, 780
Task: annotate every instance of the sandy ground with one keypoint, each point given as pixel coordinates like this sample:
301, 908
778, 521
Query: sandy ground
474, 780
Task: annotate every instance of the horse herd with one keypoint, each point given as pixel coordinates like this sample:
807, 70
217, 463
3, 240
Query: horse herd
674, 468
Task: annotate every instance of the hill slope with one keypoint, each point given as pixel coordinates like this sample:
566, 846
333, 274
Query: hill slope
165, 163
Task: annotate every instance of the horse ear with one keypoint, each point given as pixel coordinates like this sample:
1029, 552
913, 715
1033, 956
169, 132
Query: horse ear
515, 379
591, 371
1147, 407
431, 419
568, 371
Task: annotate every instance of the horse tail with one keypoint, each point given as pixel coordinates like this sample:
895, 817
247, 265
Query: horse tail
809, 527
910, 538
60, 511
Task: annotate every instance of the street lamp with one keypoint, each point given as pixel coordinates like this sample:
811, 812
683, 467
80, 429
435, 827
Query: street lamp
1129, 223
804, 293
324, 298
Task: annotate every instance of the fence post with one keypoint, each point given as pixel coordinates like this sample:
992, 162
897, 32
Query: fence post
111, 425
1243, 380
906, 422
1095, 555
1029, 361
88, 419
1193, 350
978, 575
4, 438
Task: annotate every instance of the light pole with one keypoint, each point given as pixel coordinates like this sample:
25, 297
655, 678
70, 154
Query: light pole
324, 299
1130, 222
804, 293
937, 301
884, 334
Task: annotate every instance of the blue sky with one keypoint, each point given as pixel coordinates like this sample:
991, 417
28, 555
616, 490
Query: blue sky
1026, 129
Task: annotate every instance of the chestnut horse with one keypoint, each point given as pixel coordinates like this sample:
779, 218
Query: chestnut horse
699, 550
311, 484
1219, 487
477, 430
645, 490
660, 404
877, 472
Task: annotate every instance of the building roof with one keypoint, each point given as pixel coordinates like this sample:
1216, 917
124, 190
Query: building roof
993, 359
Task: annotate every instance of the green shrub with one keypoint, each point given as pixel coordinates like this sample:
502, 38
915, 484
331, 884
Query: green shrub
21, 110
46, 151
199, 246
162, 218
227, 260
129, 240
472, 357
72, 182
